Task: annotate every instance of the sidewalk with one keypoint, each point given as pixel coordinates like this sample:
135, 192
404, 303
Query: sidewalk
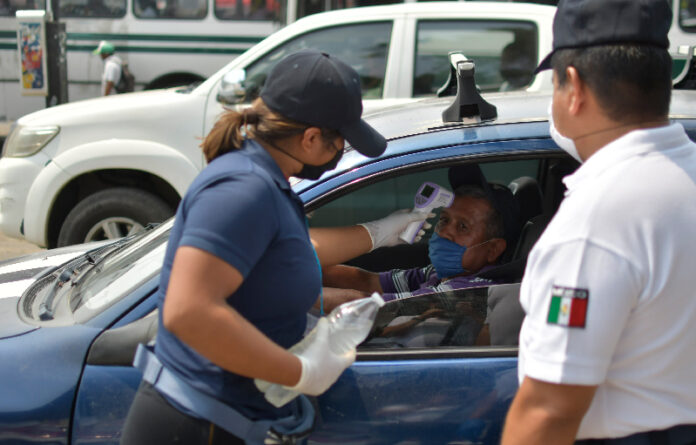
11, 247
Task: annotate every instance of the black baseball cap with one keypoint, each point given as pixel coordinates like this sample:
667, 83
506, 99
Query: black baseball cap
585, 23
499, 196
317, 89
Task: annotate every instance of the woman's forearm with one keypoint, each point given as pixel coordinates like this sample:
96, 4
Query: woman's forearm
336, 245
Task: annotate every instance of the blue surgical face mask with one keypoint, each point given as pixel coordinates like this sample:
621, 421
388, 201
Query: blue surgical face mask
446, 256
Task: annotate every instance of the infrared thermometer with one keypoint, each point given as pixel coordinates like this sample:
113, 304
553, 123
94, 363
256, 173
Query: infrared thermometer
429, 196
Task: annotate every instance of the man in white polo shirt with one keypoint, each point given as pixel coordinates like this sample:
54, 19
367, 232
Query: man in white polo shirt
112, 67
607, 348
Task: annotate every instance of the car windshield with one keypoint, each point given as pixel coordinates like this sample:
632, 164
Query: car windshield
84, 287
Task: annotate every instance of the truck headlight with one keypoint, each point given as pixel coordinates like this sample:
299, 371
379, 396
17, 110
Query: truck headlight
27, 140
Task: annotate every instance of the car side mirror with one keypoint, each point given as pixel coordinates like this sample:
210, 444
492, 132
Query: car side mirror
233, 87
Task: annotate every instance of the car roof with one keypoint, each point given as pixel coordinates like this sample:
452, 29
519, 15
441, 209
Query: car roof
426, 114
418, 125
514, 107
471, 8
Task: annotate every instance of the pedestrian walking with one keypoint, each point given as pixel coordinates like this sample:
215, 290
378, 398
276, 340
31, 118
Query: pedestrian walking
112, 67
606, 347
241, 270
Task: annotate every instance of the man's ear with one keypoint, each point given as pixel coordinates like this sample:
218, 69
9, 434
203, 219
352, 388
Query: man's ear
577, 90
496, 247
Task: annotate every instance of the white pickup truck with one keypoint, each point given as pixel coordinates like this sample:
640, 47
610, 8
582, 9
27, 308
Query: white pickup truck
101, 168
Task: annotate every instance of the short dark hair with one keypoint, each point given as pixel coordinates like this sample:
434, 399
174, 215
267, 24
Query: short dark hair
495, 227
631, 82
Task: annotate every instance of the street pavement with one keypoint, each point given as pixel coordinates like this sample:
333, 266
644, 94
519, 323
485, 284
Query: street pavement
11, 247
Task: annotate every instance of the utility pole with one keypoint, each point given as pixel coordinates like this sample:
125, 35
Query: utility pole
56, 58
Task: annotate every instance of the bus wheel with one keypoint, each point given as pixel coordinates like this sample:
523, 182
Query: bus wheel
111, 214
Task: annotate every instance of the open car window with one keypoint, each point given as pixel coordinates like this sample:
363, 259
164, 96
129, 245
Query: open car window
477, 317
394, 193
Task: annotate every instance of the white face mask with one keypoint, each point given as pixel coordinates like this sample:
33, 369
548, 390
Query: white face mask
565, 143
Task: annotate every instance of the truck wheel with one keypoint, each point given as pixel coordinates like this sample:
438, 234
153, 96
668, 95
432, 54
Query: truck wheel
110, 214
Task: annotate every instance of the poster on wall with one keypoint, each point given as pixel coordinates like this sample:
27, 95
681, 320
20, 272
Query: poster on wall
31, 46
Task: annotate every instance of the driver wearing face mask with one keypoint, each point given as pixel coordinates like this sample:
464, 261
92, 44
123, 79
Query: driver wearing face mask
469, 239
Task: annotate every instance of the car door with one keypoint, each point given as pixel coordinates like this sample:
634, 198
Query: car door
439, 380
450, 377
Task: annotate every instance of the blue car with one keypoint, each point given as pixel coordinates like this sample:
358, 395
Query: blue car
68, 342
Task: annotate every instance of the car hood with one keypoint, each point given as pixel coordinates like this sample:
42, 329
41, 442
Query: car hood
11, 324
130, 105
17, 274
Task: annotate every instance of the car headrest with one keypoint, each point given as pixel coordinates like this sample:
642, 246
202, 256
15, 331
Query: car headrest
527, 193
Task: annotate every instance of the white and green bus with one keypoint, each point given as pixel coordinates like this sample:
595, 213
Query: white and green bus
174, 42
165, 42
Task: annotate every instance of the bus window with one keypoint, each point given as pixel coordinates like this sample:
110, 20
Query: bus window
505, 53
687, 15
170, 9
93, 8
247, 9
363, 46
307, 7
8, 8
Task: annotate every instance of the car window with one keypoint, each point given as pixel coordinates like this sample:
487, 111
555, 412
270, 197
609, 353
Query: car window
486, 316
687, 15
362, 46
380, 199
505, 53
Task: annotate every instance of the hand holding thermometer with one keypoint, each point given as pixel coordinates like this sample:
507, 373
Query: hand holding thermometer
428, 197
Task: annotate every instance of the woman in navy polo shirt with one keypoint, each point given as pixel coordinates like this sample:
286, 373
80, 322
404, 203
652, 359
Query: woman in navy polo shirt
241, 271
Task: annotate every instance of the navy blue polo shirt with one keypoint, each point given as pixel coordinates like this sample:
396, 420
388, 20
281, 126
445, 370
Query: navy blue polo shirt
241, 209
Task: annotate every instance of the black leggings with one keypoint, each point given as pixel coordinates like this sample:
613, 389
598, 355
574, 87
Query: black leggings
152, 420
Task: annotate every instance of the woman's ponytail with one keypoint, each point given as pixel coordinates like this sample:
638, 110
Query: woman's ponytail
256, 121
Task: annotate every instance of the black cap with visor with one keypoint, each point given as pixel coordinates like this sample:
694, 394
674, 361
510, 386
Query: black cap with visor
586, 23
314, 88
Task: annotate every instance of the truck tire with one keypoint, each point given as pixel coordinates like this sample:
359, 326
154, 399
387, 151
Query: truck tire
111, 214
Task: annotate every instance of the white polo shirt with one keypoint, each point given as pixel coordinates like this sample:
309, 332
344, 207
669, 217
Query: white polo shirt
610, 287
112, 72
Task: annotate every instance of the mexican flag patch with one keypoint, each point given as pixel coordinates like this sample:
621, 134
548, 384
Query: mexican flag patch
568, 306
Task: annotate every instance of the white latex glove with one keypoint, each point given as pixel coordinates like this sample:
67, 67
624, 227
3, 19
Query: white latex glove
385, 232
321, 367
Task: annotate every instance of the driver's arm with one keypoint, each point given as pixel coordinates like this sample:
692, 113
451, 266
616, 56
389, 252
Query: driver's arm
348, 277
